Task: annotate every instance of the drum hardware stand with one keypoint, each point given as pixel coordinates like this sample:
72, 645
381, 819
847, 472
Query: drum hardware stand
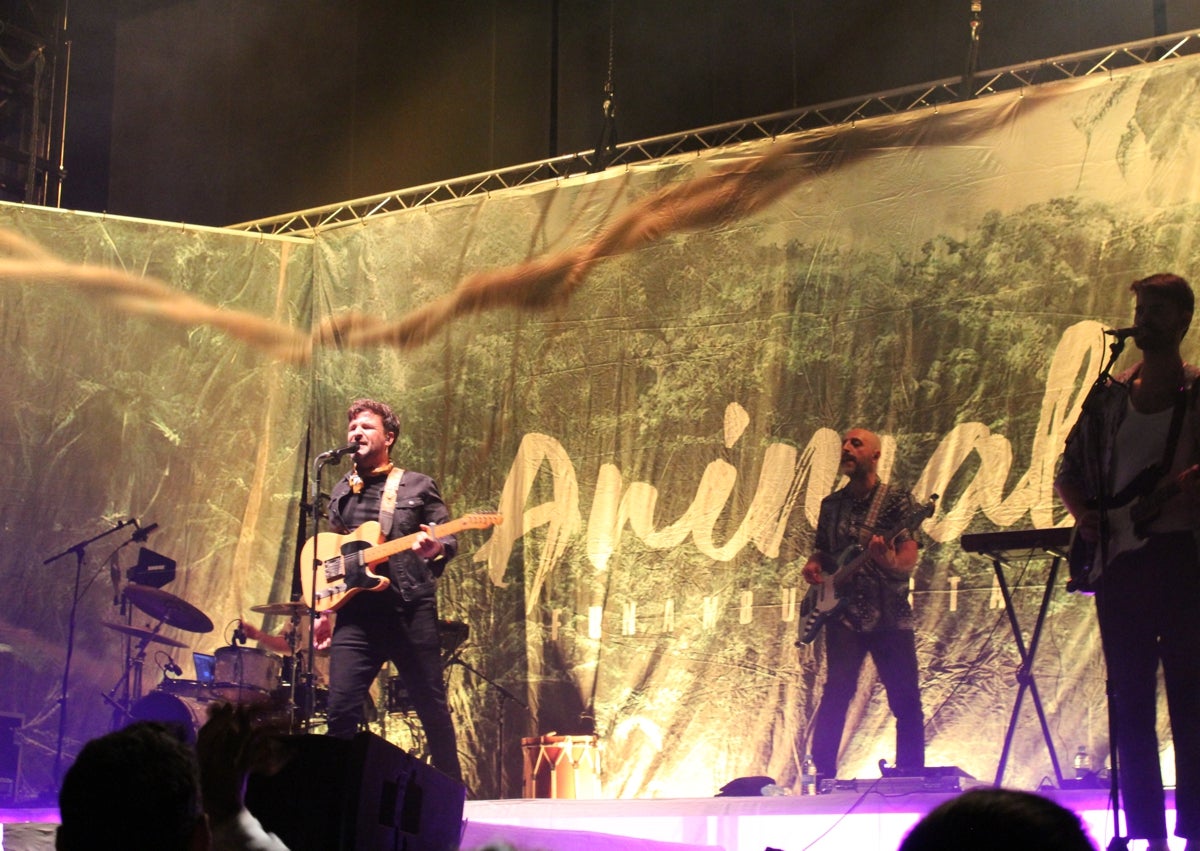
122, 705
298, 660
78, 550
129, 685
505, 694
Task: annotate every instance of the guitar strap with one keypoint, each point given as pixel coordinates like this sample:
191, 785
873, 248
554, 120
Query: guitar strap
868, 527
1176, 426
387, 502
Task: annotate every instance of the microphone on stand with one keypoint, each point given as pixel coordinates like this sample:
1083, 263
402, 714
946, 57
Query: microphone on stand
239, 634
143, 532
1123, 333
172, 668
335, 454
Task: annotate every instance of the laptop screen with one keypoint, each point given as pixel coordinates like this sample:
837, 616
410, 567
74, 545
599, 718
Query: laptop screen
205, 667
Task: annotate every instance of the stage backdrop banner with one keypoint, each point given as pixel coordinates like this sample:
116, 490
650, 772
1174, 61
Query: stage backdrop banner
124, 397
647, 371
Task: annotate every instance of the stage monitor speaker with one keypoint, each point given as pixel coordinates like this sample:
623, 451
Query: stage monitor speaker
357, 795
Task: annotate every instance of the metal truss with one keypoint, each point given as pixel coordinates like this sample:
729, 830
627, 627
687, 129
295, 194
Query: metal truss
941, 92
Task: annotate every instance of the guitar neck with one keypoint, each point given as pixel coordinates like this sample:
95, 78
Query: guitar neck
847, 571
1148, 506
379, 552
911, 521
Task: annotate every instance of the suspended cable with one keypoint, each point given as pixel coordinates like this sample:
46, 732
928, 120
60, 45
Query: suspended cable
606, 146
968, 81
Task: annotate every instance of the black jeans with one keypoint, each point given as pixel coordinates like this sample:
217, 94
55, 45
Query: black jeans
895, 656
410, 640
1148, 602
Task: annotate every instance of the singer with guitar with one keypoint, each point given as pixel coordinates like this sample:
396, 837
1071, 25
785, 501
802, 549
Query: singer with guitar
875, 616
1140, 432
396, 619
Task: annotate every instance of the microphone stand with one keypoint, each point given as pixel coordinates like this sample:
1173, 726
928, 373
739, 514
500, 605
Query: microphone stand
1091, 408
309, 677
505, 694
78, 550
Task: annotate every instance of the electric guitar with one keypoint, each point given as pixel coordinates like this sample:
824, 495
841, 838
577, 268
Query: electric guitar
825, 599
344, 562
1128, 514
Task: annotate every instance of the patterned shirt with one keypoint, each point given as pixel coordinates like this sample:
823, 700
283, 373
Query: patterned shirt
875, 599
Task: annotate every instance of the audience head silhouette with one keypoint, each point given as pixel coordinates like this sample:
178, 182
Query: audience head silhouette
136, 789
998, 820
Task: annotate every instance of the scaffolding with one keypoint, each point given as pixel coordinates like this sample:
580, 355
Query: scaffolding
847, 111
34, 64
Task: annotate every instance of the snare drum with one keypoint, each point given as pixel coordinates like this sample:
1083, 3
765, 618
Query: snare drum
186, 713
562, 767
246, 674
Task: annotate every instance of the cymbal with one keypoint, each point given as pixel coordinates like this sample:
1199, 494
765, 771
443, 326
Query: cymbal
292, 608
168, 608
138, 632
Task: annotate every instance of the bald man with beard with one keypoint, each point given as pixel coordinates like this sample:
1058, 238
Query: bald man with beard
874, 616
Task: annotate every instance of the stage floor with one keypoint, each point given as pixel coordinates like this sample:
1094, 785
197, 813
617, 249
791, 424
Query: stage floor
868, 820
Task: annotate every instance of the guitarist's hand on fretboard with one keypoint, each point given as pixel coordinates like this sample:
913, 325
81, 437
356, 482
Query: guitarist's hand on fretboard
896, 559
427, 545
882, 553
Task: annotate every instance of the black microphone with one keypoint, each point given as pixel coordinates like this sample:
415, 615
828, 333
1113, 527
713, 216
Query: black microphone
172, 668
143, 532
338, 453
239, 634
1123, 333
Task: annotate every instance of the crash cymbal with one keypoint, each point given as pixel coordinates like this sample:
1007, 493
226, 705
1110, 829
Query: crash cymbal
293, 608
145, 634
168, 608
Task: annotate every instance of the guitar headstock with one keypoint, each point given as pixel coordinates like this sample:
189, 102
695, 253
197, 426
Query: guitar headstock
480, 520
921, 513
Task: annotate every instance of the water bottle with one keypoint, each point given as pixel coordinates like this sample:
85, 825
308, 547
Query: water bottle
1083, 763
808, 776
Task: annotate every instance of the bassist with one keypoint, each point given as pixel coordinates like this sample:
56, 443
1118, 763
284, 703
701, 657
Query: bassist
876, 617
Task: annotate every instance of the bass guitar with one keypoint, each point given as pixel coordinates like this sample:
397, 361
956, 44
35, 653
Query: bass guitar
344, 562
1128, 513
825, 599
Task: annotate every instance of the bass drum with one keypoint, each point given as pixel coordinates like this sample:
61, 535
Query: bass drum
185, 713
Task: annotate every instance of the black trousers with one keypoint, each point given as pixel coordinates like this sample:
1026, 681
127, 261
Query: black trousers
1148, 602
895, 655
410, 640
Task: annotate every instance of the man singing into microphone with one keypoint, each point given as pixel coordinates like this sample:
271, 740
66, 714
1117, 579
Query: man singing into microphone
399, 623
1148, 589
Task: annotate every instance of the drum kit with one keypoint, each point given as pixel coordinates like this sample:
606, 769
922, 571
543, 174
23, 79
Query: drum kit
249, 676
554, 766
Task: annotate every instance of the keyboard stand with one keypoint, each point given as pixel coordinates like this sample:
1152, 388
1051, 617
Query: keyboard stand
1025, 677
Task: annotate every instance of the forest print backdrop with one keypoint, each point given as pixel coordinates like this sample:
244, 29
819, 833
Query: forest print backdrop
647, 371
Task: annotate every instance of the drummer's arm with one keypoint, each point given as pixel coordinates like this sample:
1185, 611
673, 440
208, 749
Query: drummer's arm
275, 643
